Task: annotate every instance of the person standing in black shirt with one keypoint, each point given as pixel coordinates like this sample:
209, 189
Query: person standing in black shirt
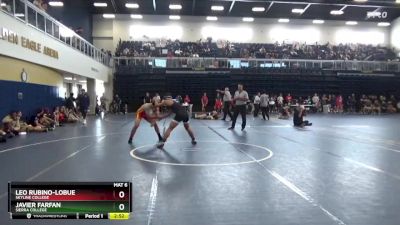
69, 102
84, 103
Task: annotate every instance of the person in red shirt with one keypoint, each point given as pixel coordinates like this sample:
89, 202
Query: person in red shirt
339, 104
187, 99
204, 102
288, 99
218, 103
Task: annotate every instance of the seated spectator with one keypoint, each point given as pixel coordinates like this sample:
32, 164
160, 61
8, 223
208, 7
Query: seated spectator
376, 107
391, 108
62, 115
366, 107
10, 124
58, 116
40, 4
71, 115
22, 126
43, 119
7, 5
298, 117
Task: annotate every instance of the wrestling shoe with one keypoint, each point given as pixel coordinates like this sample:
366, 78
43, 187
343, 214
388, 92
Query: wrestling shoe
160, 144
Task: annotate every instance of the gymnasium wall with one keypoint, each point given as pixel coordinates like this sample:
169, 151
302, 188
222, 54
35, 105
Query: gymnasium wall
107, 32
40, 90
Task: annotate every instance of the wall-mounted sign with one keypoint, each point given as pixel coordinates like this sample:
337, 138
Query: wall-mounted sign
13, 38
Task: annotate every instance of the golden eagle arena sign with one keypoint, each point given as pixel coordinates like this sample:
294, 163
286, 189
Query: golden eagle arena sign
13, 38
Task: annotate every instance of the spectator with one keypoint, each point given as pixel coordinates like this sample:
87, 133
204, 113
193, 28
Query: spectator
115, 106
264, 101
316, 102
288, 99
22, 126
339, 104
40, 4
84, 103
187, 99
45, 119
351, 103
69, 102
147, 98
204, 102
256, 103
279, 101
391, 108
179, 99
246, 50
157, 98
218, 103
10, 124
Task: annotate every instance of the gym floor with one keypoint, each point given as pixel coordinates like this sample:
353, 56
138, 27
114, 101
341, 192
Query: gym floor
343, 170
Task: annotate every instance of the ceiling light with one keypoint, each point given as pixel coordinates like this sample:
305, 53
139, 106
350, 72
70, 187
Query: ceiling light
19, 15
109, 16
351, 23
174, 17
247, 19
212, 18
83, 81
175, 6
318, 21
283, 20
300, 11
337, 12
3, 4
56, 4
383, 24
68, 78
100, 4
136, 16
258, 9
132, 5
360, 0
217, 8
397, 1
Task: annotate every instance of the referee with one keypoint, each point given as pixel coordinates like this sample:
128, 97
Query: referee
241, 97
227, 98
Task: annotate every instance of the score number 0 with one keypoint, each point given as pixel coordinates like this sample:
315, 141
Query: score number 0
121, 195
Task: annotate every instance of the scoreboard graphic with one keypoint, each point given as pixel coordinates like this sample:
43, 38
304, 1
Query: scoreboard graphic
70, 200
